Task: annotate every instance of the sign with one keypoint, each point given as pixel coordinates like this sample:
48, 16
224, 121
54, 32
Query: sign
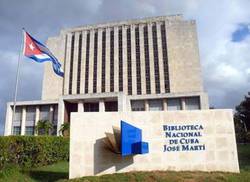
183, 138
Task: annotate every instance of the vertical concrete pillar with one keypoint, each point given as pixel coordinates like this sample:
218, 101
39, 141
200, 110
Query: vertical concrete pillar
146, 105
161, 67
101, 106
23, 120
116, 60
142, 58
165, 105
91, 60
183, 104
80, 106
83, 62
133, 60
67, 65
124, 60
122, 102
75, 63
151, 58
107, 61
37, 117
61, 111
8, 120
99, 62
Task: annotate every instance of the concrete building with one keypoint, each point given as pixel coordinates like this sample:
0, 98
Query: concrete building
137, 65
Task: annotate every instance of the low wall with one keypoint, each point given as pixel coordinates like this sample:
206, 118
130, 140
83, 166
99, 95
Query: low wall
201, 140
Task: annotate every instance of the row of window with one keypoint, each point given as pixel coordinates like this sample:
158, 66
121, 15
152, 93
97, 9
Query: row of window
191, 103
110, 106
30, 117
120, 60
30, 130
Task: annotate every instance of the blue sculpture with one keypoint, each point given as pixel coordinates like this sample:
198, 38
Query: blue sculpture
131, 140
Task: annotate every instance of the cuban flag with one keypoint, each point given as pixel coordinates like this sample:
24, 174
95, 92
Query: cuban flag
38, 52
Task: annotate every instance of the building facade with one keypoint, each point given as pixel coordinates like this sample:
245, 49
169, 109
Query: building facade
148, 64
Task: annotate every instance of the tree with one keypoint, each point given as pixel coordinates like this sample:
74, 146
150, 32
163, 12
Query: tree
65, 129
242, 120
243, 112
43, 127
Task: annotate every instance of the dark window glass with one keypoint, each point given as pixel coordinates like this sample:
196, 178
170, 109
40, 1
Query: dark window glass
29, 130
91, 107
138, 60
103, 59
120, 61
71, 63
165, 57
192, 103
95, 62
156, 59
30, 116
87, 64
112, 61
16, 130
129, 61
137, 105
44, 112
111, 106
147, 64
79, 64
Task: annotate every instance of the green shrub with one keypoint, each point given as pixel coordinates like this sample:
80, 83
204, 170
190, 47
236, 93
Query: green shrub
29, 151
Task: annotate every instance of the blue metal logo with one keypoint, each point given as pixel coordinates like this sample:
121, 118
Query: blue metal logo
127, 141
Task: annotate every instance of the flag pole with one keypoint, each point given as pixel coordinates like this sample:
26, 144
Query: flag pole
17, 80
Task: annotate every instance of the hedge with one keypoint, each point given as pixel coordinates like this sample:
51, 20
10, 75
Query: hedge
32, 151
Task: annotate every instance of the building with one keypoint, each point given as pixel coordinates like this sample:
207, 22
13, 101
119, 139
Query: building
137, 65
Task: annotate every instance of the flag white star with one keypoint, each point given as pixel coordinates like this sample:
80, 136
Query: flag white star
31, 46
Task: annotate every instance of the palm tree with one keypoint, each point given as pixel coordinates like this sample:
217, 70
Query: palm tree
43, 127
65, 129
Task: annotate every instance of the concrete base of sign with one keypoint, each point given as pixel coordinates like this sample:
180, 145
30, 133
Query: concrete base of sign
201, 140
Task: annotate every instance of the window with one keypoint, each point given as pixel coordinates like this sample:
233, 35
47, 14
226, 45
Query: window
29, 130
174, 104
137, 105
79, 64
147, 65
71, 63
129, 61
55, 115
165, 57
91, 107
155, 105
138, 61
192, 103
156, 59
120, 61
16, 130
87, 64
103, 59
112, 61
30, 116
95, 62
111, 106
44, 112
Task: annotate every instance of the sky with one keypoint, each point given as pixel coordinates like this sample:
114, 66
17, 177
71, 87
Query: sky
223, 33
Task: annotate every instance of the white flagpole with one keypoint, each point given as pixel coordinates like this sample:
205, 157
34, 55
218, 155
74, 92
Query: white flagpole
17, 80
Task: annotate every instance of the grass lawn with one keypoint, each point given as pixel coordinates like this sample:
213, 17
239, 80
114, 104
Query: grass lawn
59, 172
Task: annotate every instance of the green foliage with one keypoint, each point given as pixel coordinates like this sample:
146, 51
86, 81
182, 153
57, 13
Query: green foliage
29, 151
65, 129
43, 127
242, 120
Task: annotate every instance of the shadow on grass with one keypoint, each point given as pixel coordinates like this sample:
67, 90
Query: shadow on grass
48, 176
